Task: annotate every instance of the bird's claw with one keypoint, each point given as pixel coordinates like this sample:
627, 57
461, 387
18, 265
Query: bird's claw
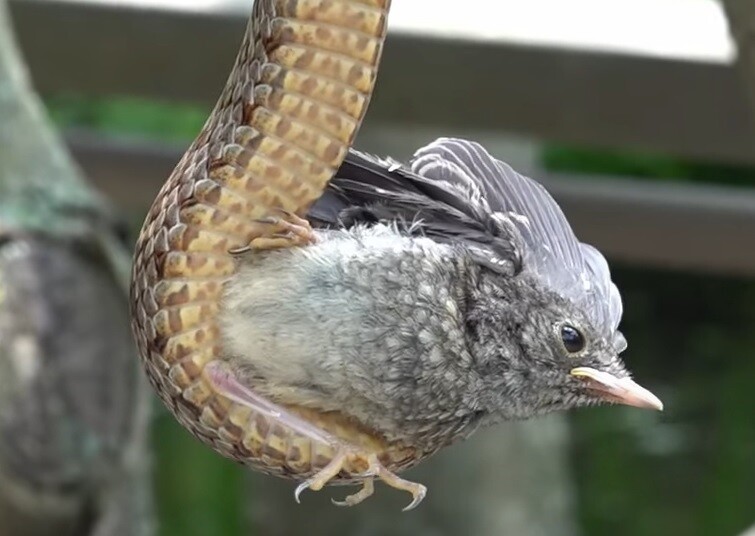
418, 495
323, 476
286, 229
299, 489
374, 469
368, 488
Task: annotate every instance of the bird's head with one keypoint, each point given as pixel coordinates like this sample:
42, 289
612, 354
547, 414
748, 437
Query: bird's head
548, 311
547, 354
544, 324
574, 360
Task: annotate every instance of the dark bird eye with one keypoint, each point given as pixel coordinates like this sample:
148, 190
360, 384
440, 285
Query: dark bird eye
572, 338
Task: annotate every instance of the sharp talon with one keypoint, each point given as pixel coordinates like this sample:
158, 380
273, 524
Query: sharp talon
419, 495
282, 231
323, 476
418, 491
374, 470
299, 489
239, 250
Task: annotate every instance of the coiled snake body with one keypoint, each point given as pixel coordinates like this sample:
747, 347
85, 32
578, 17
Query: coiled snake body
282, 126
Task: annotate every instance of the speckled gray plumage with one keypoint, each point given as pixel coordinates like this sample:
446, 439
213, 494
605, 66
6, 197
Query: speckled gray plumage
365, 323
421, 311
407, 336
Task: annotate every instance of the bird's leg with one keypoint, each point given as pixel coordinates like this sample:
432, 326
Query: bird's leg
418, 491
324, 475
223, 380
374, 469
368, 488
347, 455
282, 230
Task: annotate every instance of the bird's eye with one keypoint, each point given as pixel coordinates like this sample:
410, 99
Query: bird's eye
572, 338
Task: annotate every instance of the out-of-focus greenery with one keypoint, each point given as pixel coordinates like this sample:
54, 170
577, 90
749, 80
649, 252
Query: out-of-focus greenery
181, 122
643, 166
197, 492
689, 470
128, 116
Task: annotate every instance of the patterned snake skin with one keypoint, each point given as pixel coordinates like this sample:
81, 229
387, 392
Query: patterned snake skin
284, 122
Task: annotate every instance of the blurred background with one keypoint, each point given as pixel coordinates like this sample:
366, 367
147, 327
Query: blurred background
638, 115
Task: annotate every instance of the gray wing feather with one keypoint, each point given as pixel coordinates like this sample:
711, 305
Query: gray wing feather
552, 253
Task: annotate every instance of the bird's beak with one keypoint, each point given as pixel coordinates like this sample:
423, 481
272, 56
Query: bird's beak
619, 390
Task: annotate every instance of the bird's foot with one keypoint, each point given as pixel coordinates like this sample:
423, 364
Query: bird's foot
374, 469
282, 230
368, 488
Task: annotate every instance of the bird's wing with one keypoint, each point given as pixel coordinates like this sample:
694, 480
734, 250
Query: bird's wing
575, 270
369, 189
459, 192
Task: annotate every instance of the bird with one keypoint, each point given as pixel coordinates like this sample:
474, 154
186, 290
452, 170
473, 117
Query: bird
428, 301
340, 327
456, 276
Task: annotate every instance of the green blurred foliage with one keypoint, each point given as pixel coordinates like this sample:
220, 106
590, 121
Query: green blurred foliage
128, 116
690, 469
691, 340
643, 166
686, 471
198, 493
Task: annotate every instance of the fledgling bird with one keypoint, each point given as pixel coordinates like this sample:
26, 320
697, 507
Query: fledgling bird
433, 299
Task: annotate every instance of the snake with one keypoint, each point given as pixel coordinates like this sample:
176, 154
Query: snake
284, 122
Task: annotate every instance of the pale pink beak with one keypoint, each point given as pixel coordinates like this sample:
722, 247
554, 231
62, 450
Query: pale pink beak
620, 390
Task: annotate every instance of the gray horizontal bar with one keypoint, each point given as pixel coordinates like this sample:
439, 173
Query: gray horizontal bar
741, 15
681, 108
689, 227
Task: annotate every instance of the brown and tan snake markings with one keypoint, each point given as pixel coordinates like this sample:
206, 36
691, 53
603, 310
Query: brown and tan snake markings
283, 124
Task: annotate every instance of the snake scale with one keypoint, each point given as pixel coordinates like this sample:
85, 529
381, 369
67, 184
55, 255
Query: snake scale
284, 122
